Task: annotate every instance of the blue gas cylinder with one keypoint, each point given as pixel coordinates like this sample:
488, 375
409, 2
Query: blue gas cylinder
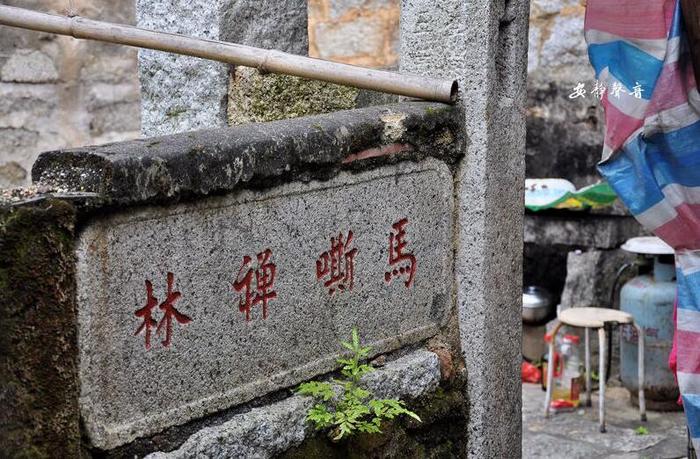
649, 298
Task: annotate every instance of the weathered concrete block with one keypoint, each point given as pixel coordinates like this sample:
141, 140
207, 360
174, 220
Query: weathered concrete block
21, 143
29, 122
590, 277
362, 36
565, 46
338, 9
263, 286
358, 32
270, 430
556, 40
49, 83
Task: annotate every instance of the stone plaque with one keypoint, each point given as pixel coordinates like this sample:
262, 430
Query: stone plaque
190, 309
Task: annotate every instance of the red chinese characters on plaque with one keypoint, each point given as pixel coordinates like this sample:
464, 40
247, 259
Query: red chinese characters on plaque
401, 262
256, 283
169, 313
336, 267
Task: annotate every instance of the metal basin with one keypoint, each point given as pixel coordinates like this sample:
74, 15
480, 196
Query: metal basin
537, 304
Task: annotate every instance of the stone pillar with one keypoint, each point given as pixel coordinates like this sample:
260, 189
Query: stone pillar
484, 45
181, 93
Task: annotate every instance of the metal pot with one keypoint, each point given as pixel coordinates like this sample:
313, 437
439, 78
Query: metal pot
537, 304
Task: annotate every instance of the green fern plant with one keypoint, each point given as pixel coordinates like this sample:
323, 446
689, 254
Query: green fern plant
354, 409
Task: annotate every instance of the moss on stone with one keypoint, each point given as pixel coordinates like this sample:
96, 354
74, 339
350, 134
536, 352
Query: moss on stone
38, 343
256, 97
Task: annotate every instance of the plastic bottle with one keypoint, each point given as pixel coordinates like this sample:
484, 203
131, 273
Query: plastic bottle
566, 384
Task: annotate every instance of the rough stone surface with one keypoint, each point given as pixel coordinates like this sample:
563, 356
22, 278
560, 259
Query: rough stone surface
29, 66
355, 32
484, 45
11, 173
280, 25
260, 433
58, 92
38, 343
181, 93
255, 97
580, 229
407, 377
590, 277
360, 35
268, 431
564, 136
167, 168
220, 359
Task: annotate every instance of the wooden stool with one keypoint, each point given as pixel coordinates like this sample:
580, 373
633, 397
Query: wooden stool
598, 318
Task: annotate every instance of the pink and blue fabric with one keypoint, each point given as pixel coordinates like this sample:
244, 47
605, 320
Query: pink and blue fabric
651, 155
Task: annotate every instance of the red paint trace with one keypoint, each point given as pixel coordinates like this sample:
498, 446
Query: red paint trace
264, 276
338, 265
397, 244
167, 307
145, 313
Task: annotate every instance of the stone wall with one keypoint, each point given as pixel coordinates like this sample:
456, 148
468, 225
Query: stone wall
206, 274
359, 32
59, 92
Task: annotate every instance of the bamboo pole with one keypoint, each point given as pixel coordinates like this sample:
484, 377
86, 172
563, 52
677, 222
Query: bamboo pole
265, 60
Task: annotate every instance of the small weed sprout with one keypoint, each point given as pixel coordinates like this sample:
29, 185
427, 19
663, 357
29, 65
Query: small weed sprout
355, 409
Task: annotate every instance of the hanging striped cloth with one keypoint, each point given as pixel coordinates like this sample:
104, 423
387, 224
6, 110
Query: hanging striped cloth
651, 155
